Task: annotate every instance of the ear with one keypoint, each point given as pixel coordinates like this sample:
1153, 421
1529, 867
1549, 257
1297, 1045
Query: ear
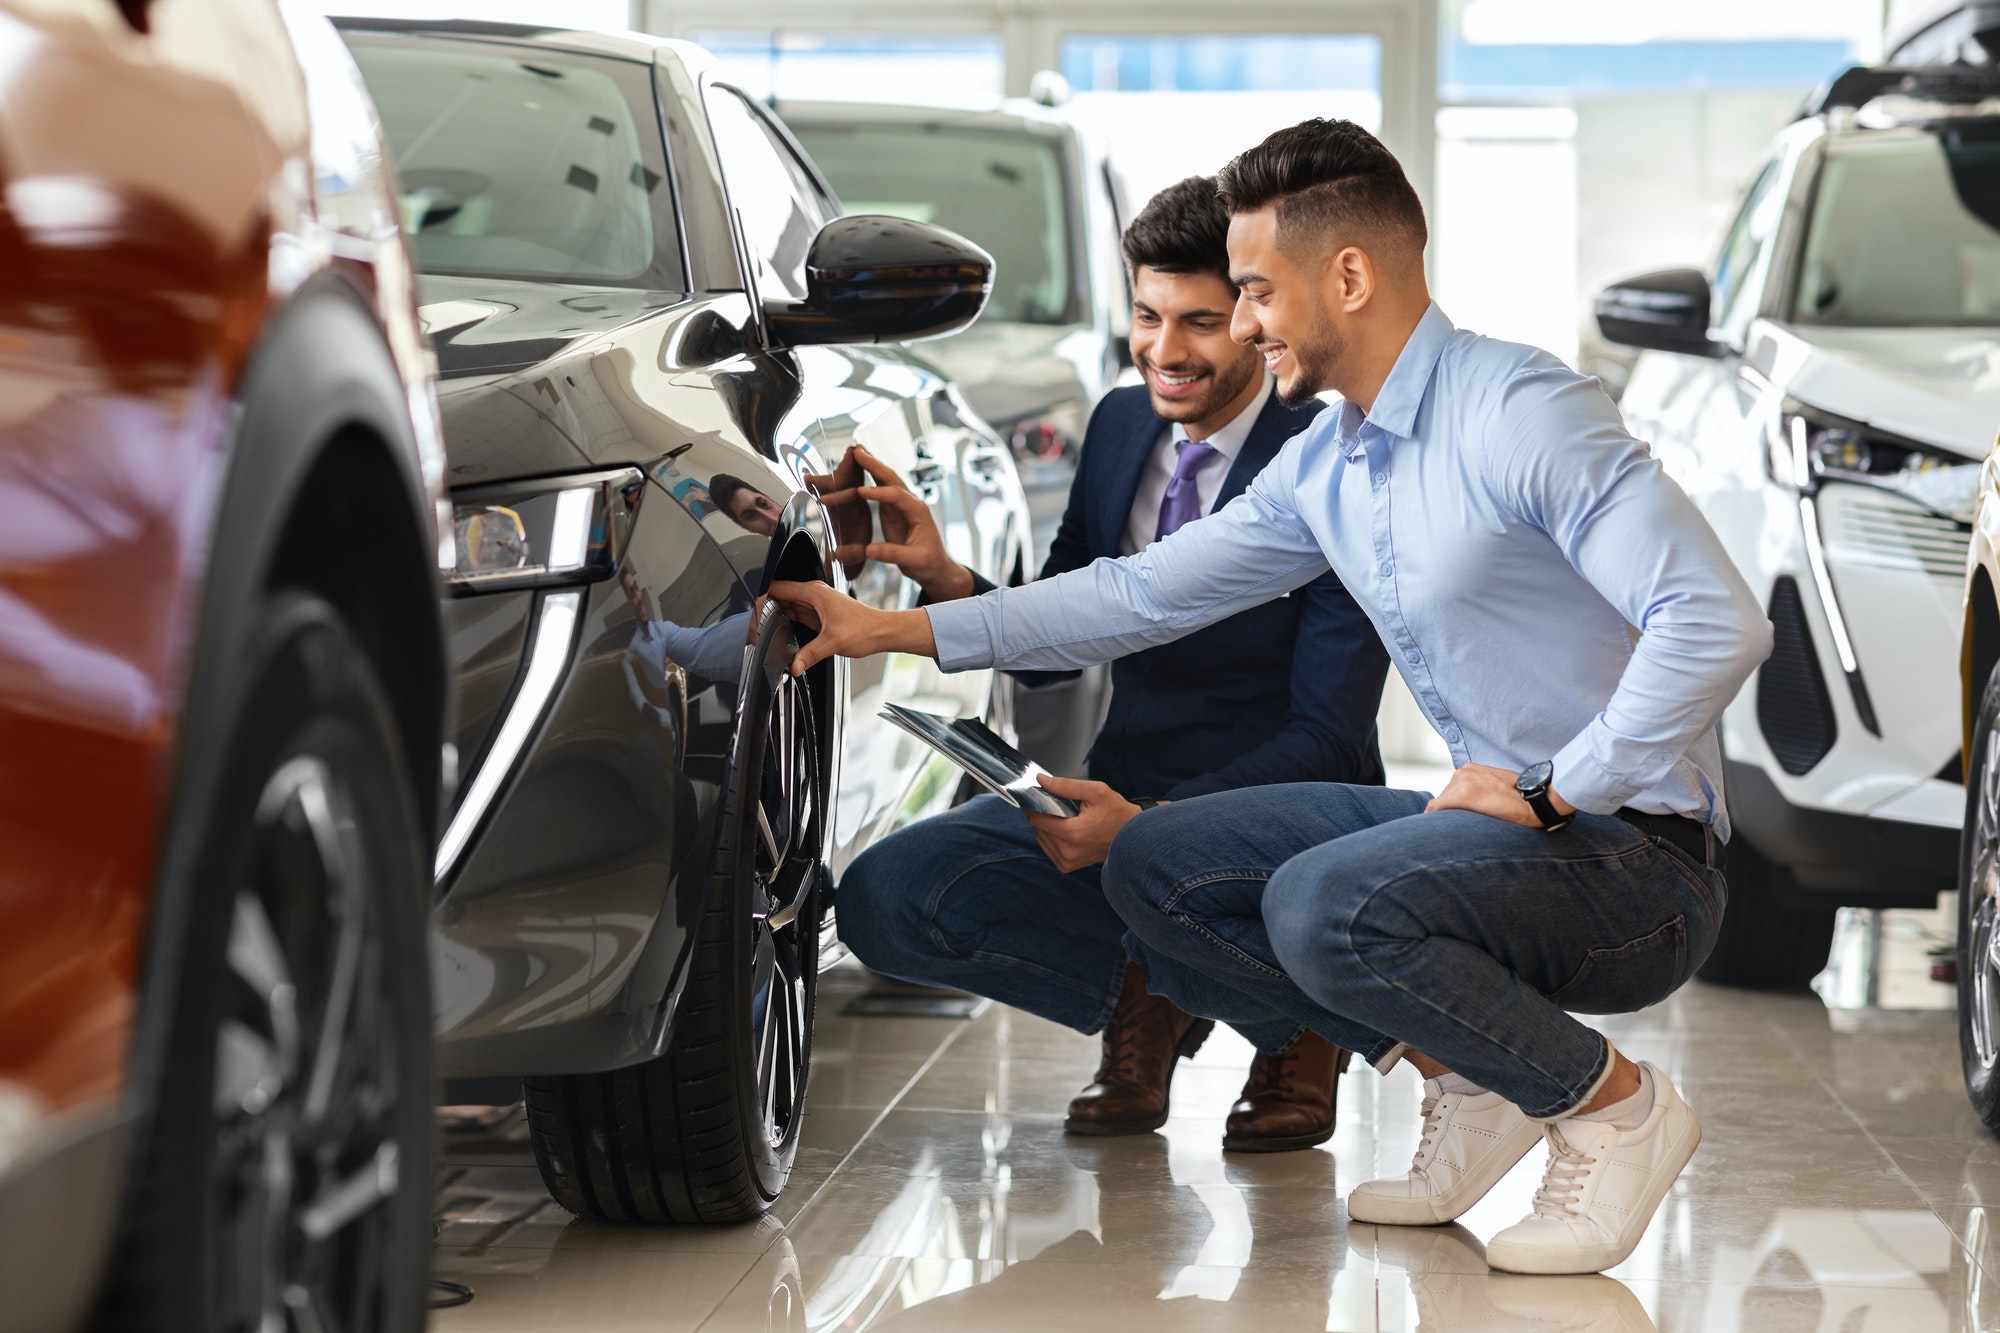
1352, 278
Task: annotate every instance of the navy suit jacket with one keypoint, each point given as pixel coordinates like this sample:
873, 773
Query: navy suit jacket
1283, 692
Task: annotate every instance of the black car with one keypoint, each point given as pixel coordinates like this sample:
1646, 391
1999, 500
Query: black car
652, 324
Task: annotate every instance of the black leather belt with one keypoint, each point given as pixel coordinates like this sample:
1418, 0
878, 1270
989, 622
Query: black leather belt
1690, 835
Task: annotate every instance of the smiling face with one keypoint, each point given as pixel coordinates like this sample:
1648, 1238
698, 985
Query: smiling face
1197, 375
1282, 309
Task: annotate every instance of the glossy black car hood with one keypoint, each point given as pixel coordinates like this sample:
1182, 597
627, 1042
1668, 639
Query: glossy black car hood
487, 326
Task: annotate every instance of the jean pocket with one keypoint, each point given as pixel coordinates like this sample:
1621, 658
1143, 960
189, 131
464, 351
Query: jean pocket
1628, 976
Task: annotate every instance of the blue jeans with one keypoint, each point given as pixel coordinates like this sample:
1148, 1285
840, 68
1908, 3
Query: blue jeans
967, 900
1351, 911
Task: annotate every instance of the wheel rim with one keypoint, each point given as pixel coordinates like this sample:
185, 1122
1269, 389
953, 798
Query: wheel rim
1982, 941
785, 865
305, 1092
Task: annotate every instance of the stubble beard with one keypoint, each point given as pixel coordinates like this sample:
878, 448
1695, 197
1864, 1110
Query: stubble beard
1313, 361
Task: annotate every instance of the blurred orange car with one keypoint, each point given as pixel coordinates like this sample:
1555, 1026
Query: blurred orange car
221, 693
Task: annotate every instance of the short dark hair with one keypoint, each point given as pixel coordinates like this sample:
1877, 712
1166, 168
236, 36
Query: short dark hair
722, 488
1326, 175
1182, 229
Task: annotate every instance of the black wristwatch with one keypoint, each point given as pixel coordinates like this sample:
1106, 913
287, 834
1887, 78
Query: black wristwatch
1146, 802
1533, 784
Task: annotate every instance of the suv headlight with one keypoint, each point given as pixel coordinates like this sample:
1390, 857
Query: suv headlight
1812, 446
550, 530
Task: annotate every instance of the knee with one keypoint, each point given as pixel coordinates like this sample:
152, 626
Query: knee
1132, 873
875, 910
1306, 919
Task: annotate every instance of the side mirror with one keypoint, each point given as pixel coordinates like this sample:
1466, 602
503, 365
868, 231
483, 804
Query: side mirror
1663, 312
874, 279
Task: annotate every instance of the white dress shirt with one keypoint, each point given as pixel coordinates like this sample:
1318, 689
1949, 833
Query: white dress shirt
1144, 519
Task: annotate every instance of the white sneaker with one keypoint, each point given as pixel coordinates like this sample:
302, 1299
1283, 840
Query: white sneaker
1601, 1189
1469, 1143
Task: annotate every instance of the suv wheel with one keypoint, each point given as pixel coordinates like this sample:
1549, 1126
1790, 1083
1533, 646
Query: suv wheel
707, 1131
1978, 940
1772, 937
285, 1180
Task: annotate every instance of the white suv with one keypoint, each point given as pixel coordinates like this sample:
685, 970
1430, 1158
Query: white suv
1826, 395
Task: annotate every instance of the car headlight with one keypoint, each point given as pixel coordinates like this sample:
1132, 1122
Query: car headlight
1813, 446
550, 530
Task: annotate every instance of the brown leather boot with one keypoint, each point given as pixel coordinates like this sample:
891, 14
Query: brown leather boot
1289, 1099
1145, 1039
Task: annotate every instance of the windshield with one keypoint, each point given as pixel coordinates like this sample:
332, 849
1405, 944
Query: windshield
999, 189
1905, 230
519, 162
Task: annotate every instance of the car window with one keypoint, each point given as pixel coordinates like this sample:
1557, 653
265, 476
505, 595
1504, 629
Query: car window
1905, 230
1001, 189
523, 162
779, 206
1739, 270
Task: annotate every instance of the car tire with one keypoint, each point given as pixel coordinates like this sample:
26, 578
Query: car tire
708, 1130
1978, 873
284, 1178
1771, 936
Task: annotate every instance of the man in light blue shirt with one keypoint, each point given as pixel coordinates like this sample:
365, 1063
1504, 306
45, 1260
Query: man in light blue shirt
1507, 537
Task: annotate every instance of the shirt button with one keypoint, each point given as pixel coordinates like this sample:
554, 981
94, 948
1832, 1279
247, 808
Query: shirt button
1415, 657
1381, 477
1451, 735
1387, 569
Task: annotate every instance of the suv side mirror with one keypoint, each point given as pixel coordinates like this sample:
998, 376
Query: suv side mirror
1665, 311
871, 278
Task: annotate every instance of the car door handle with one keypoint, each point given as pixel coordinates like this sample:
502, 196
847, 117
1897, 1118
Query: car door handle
986, 462
927, 480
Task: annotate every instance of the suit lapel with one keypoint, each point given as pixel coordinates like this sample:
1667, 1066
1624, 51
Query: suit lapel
1120, 475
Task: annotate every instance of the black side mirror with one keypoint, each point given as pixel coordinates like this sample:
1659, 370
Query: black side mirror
873, 279
1663, 312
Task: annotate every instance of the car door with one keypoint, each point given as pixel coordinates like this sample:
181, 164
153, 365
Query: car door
852, 395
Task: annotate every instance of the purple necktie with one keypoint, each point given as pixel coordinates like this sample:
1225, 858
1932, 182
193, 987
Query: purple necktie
1183, 503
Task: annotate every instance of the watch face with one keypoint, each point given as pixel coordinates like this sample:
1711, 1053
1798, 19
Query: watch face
1535, 776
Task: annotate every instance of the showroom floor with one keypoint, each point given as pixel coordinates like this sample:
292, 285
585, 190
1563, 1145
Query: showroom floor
1842, 1185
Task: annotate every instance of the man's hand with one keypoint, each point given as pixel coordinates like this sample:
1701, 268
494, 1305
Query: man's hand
1490, 791
852, 523
910, 537
1084, 839
847, 628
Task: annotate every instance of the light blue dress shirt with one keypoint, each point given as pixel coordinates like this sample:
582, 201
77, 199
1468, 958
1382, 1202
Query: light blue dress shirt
1545, 589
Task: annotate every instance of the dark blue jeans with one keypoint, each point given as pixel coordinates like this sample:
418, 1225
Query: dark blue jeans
968, 900
1351, 911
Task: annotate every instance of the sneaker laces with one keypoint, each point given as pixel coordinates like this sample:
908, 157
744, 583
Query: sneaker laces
1561, 1192
1433, 1135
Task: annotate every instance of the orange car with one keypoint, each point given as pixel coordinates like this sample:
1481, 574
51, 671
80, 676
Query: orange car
221, 697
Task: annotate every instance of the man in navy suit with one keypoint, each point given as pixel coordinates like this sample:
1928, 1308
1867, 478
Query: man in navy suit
988, 900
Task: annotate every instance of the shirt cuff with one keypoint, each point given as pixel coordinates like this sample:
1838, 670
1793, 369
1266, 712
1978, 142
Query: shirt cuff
964, 643
1583, 780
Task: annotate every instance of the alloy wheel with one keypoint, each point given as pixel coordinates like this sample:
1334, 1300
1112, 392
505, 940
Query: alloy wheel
1983, 942
305, 1089
786, 867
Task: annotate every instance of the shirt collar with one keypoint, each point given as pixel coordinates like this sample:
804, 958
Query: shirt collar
1402, 393
1229, 439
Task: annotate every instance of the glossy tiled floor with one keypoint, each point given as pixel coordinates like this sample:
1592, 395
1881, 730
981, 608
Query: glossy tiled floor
1843, 1185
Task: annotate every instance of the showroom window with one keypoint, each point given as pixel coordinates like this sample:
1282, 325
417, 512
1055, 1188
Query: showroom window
921, 68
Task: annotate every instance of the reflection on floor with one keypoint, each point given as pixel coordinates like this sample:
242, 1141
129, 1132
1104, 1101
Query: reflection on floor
1842, 1185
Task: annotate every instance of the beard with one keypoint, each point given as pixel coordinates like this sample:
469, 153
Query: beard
1223, 385
1313, 360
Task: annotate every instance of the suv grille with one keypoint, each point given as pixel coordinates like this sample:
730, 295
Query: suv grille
1868, 527
1793, 709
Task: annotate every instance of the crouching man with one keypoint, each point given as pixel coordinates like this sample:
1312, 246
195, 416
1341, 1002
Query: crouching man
988, 900
1505, 534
